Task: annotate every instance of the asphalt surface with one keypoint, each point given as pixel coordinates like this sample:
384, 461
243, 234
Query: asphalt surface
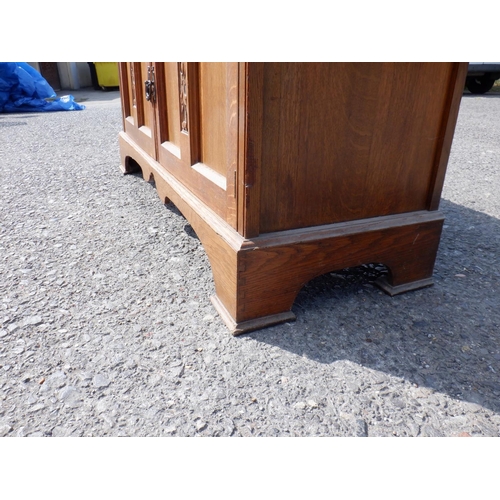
106, 327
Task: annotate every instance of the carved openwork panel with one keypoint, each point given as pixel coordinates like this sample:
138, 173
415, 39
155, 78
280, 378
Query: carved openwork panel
183, 96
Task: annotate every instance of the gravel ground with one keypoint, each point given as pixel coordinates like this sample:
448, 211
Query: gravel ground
106, 327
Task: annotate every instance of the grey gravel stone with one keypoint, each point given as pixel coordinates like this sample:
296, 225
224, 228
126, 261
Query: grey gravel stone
53, 381
107, 329
59, 431
36, 407
100, 381
24, 431
200, 425
177, 371
32, 321
70, 396
430, 431
109, 420
37, 434
360, 428
5, 429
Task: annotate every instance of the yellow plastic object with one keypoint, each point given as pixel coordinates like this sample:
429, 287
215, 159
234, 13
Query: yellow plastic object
107, 74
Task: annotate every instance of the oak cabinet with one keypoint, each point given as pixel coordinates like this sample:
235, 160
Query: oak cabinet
290, 170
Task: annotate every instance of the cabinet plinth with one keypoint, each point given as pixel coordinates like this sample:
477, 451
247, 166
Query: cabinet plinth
287, 171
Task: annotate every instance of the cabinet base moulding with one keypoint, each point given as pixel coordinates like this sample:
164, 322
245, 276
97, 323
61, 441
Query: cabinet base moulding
257, 280
252, 324
384, 284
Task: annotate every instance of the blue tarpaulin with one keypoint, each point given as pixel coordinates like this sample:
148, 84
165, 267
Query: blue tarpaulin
23, 88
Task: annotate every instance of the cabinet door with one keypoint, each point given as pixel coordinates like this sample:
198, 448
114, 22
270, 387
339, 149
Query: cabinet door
197, 124
138, 112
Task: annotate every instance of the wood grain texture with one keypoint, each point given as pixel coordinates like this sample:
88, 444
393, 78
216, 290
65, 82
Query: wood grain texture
347, 141
214, 119
272, 270
250, 145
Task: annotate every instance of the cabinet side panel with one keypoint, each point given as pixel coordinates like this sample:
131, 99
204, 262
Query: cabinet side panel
346, 141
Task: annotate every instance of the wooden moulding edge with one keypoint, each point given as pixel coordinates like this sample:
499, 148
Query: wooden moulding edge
252, 324
339, 229
406, 287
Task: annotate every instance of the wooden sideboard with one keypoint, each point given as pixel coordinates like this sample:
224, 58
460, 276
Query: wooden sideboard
287, 171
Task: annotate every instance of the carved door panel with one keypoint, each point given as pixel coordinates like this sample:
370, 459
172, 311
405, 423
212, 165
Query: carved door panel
138, 112
197, 123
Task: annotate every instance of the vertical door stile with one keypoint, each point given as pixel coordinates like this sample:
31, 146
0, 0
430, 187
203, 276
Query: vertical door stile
124, 92
194, 111
138, 93
242, 112
161, 108
250, 148
154, 114
232, 117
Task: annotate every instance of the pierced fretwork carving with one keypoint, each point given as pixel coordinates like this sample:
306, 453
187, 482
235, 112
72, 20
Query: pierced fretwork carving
183, 95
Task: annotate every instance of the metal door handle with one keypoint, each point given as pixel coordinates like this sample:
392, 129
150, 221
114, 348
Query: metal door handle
149, 85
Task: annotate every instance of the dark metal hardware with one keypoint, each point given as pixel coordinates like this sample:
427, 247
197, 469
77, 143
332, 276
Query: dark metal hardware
150, 85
